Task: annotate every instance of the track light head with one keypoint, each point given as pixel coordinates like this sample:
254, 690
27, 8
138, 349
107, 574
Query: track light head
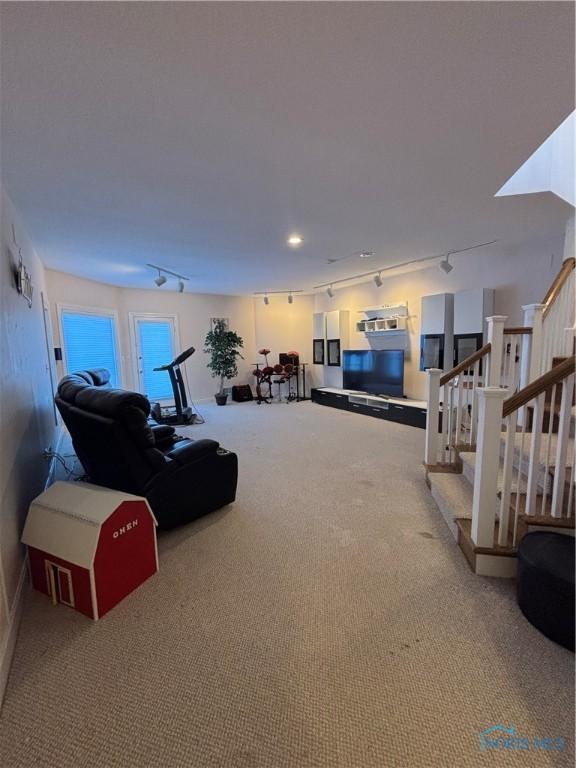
160, 280
445, 265
330, 291
290, 298
266, 300
180, 286
378, 280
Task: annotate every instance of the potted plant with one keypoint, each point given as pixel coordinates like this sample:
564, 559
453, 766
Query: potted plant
223, 347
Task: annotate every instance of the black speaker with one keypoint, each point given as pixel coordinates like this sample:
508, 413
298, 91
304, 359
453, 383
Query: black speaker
285, 359
242, 393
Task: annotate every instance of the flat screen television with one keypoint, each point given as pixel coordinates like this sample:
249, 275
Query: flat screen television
378, 372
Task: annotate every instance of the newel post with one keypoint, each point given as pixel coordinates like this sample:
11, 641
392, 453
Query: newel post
496, 340
531, 362
432, 415
490, 403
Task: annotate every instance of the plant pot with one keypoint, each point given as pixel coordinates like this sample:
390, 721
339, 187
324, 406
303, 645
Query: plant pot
221, 399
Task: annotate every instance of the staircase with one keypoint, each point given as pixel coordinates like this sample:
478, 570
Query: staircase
502, 462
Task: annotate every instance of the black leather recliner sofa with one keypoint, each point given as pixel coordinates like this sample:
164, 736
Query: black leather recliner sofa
119, 448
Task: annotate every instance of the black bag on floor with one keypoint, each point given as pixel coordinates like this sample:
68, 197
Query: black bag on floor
242, 393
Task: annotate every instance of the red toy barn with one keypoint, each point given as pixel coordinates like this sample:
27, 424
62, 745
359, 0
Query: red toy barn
88, 546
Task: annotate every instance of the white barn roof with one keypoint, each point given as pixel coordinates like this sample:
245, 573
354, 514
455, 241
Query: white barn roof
65, 520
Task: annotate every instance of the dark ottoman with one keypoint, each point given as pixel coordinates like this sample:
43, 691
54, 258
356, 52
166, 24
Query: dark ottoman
546, 584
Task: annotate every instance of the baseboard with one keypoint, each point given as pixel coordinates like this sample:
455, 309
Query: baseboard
57, 445
7, 650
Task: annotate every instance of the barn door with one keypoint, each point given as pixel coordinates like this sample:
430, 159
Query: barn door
59, 581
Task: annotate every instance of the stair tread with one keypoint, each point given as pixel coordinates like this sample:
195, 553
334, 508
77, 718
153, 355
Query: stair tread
465, 527
525, 450
542, 514
469, 462
548, 520
456, 492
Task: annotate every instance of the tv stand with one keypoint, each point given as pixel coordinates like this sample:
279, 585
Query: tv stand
399, 409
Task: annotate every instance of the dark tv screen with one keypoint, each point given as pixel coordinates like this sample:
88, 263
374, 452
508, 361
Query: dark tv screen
378, 372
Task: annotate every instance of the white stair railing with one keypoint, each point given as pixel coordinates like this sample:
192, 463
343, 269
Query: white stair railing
517, 346
558, 318
490, 402
454, 425
536, 475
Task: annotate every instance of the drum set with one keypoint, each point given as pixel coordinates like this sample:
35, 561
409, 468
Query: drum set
287, 372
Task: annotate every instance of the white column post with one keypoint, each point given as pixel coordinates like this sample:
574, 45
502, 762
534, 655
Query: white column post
484, 503
532, 365
432, 414
496, 340
560, 473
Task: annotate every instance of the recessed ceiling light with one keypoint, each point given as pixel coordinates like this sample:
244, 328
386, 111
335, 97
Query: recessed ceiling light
295, 240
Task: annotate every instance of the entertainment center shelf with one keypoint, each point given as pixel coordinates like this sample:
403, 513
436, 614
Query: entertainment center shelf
398, 409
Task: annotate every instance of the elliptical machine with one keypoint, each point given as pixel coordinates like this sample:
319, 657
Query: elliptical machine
180, 413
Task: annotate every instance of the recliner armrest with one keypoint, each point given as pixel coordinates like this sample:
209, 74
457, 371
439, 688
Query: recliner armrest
192, 450
162, 432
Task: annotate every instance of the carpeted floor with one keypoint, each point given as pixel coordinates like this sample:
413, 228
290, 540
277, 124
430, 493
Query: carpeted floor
326, 619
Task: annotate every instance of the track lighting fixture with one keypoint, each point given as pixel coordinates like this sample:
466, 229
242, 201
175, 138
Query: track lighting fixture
266, 297
161, 279
445, 265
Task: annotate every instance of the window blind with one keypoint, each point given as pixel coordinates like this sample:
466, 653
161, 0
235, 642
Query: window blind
155, 349
90, 342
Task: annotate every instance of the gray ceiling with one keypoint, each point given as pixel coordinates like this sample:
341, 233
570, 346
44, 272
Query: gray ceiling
198, 135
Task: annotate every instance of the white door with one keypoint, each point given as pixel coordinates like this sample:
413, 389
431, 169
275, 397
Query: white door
155, 344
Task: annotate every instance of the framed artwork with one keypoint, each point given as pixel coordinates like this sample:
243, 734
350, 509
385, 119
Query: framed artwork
214, 320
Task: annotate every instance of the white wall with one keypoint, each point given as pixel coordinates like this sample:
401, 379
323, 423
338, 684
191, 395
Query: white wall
283, 327
279, 326
193, 313
27, 422
519, 276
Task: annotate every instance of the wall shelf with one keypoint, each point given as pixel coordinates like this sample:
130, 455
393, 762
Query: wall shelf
387, 319
386, 310
382, 325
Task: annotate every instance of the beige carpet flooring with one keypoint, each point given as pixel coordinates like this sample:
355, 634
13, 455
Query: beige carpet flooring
326, 619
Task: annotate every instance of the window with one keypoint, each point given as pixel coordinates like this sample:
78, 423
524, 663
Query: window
89, 341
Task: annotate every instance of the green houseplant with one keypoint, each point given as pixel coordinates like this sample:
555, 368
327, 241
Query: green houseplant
223, 347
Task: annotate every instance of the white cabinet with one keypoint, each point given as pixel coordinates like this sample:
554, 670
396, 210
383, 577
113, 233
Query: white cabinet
437, 331
437, 314
319, 329
337, 335
338, 326
471, 308
331, 336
